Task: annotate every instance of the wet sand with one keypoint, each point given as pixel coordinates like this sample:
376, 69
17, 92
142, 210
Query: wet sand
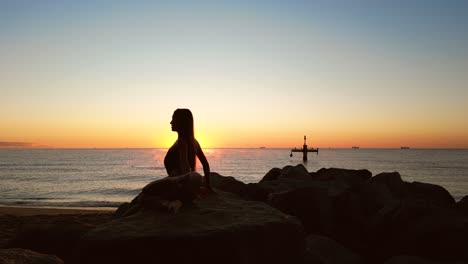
15, 219
31, 211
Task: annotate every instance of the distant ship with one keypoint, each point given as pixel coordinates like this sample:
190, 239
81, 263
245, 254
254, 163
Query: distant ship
355, 147
404, 147
262, 147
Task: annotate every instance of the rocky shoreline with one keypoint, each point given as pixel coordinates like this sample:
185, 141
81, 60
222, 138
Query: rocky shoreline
290, 216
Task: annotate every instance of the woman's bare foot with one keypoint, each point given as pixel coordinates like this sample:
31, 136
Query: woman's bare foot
172, 206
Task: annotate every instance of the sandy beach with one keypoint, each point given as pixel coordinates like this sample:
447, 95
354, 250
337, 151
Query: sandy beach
35, 211
15, 219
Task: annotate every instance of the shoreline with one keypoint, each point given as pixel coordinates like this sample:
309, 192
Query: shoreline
32, 211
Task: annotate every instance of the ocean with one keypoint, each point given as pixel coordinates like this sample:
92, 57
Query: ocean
109, 177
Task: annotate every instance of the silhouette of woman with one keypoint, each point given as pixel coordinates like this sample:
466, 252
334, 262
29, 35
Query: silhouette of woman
183, 183
180, 158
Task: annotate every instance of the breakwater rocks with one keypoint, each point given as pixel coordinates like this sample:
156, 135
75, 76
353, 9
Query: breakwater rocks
290, 216
377, 218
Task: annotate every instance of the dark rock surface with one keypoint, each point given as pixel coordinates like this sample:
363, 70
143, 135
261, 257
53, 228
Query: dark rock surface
250, 191
462, 205
352, 178
25, 256
376, 217
298, 172
431, 193
419, 229
219, 228
49, 234
272, 174
417, 260
325, 250
311, 205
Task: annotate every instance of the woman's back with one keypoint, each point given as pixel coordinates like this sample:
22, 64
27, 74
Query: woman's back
172, 161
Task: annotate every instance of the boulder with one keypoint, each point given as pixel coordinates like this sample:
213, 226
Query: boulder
311, 205
56, 235
432, 193
276, 180
325, 250
271, 175
298, 172
227, 184
25, 256
250, 191
218, 228
353, 178
392, 180
419, 228
417, 260
382, 190
462, 205
388, 189
283, 185
350, 221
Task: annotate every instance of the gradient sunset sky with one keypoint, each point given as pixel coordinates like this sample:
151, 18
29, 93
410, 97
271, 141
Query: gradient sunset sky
254, 73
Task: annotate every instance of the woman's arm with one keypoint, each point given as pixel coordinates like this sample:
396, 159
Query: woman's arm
205, 164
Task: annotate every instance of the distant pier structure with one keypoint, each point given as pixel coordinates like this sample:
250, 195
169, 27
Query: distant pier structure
304, 150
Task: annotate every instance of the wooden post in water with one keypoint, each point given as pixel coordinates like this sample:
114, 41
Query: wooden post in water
304, 150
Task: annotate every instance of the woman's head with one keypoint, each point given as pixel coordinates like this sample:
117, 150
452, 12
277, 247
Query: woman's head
182, 122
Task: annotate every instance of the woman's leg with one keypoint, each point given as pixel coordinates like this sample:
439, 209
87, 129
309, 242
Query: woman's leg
184, 187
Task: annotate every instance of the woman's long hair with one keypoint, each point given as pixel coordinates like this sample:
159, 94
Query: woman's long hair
186, 132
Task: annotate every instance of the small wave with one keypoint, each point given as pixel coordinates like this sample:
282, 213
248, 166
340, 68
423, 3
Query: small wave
88, 204
37, 198
119, 191
67, 204
135, 178
34, 164
27, 199
113, 192
148, 167
448, 167
41, 169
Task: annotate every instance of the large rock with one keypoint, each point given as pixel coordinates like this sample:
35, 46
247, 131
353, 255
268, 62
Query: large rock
462, 205
276, 180
387, 189
325, 250
312, 205
25, 256
219, 228
250, 191
298, 172
417, 260
419, 228
382, 190
284, 185
432, 193
392, 180
272, 175
353, 178
350, 221
55, 234
228, 184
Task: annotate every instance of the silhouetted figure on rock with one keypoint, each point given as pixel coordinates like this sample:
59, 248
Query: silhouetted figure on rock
183, 184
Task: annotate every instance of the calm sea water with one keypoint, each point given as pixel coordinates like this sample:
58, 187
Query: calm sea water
108, 177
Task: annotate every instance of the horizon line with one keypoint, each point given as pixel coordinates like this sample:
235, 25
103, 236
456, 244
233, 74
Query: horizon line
410, 148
